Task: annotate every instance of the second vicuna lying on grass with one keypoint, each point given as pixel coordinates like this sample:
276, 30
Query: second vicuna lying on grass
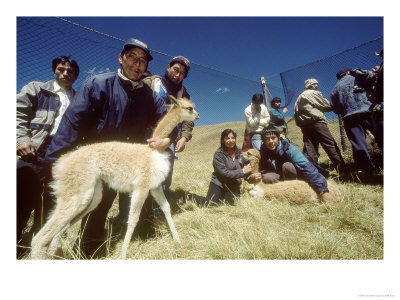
294, 191
133, 168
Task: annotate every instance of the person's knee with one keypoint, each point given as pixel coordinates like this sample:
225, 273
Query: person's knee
271, 177
289, 171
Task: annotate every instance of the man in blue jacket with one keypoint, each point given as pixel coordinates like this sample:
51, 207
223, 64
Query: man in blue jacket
115, 106
40, 107
277, 117
357, 118
171, 83
280, 160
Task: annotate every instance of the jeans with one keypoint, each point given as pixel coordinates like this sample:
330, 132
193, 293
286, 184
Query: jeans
356, 126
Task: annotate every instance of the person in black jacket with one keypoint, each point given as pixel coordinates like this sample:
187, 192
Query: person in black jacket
229, 169
115, 106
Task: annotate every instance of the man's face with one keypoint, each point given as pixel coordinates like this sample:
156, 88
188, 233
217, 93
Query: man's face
134, 63
176, 72
276, 104
65, 75
271, 141
314, 86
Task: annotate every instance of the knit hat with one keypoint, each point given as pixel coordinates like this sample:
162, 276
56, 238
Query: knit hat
130, 43
342, 73
183, 61
309, 82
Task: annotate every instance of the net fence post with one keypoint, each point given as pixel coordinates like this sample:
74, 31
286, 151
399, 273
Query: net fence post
342, 134
265, 92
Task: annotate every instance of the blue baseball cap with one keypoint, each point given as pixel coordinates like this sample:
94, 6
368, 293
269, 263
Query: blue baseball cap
130, 43
183, 61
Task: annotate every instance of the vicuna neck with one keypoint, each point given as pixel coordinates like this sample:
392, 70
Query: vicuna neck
167, 124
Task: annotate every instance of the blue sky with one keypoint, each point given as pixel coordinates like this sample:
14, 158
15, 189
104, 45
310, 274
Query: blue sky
247, 47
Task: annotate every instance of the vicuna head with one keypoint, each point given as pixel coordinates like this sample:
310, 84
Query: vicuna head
186, 106
253, 155
180, 110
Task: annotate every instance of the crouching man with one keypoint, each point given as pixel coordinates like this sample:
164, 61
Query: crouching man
281, 160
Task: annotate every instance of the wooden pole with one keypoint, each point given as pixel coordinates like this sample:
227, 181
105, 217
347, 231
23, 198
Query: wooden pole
342, 134
265, 92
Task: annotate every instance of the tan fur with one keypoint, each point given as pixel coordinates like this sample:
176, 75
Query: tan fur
253, 155
133, 168
294, 191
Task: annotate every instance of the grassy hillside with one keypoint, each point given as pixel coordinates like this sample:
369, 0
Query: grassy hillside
256, 228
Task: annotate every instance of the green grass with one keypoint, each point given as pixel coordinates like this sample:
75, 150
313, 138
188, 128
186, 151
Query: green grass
256, 228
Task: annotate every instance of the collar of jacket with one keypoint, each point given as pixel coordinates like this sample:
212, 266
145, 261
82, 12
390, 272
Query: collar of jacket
135, 84
171, 86
237, 151
48, 87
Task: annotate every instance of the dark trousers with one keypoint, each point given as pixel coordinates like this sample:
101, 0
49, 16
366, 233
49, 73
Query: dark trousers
31, 185
318, 133
217, 194
93, 233
289, 172
356, 126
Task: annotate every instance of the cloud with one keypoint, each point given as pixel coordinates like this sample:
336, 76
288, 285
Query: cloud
222, 90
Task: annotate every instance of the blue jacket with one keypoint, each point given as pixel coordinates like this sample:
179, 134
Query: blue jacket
345, 102
106, 108
277, 117
272, 161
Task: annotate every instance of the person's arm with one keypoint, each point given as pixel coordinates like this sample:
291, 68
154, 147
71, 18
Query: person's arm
307, 170
265, 117
337, 105
26, 101
79, 116
320, 102
187, 128
277, 114
251, 120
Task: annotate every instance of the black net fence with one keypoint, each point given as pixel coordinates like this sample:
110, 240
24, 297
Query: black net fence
40, 39
325, 69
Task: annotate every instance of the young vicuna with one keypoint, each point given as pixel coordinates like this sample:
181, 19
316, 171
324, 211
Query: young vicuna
131, 168
295, 191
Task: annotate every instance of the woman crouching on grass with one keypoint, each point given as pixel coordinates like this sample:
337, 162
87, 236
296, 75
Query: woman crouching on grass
229, 169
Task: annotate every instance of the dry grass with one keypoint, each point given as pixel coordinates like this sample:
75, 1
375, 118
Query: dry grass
256, 228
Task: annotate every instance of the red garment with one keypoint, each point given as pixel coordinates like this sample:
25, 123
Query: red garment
231, 152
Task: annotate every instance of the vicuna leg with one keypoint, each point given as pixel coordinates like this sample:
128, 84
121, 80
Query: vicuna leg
67, 212
138, 198
159, 196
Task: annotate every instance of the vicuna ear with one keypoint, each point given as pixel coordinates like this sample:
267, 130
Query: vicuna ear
173, 99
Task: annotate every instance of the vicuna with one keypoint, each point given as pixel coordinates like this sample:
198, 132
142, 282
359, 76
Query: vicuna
131, 168
294, 191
